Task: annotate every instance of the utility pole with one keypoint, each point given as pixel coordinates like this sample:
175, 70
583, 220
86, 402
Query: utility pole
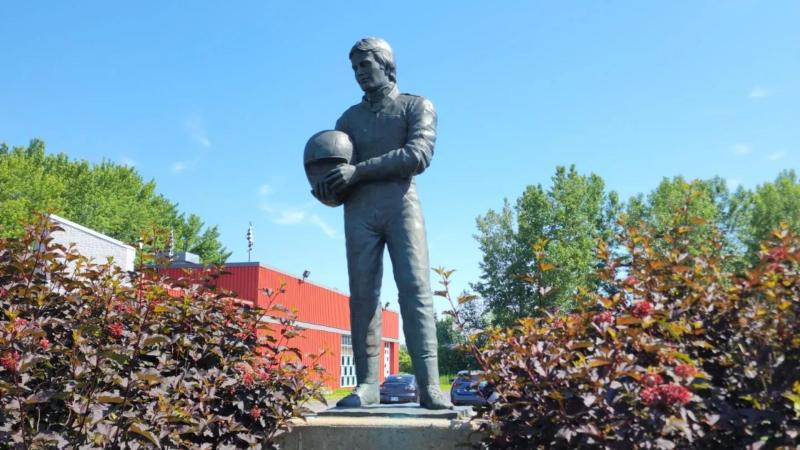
249, 241
171, 244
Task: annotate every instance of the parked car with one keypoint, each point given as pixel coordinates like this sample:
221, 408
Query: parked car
400, 388
469, 389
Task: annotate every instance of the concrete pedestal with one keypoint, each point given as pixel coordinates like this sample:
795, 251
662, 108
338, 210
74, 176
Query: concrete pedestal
383, 428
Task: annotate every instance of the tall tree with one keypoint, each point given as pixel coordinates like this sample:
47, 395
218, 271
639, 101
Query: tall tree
565, 223
699, 205
110, 198
767, 206
451, 357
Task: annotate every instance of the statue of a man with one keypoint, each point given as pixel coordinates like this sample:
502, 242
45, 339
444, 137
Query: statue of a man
393, 136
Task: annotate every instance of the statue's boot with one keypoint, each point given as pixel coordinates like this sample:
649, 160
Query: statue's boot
431, 397
362, 395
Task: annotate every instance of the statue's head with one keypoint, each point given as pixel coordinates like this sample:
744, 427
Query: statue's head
373, 63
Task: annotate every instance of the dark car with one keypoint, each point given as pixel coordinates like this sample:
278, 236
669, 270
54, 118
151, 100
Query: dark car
399, 388
469, 389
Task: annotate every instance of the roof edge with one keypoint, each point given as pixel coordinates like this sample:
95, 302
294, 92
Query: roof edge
89, 231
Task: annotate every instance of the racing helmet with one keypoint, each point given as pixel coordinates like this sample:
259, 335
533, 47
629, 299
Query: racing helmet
324, 151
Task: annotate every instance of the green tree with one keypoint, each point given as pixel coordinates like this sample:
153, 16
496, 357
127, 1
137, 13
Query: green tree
190, 237
406, 366
26, 185
452, 357
767, 206
697, 206
110, 198
566, 222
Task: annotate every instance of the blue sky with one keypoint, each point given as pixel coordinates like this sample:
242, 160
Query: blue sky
216, 100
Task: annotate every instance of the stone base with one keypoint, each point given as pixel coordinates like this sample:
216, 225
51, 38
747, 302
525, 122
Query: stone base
406, 410
383, 427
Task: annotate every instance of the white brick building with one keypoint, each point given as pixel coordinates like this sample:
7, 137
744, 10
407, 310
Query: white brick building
95, 246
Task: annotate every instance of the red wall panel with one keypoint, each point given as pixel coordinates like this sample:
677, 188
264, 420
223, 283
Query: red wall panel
390, 324
312, 303
313, 342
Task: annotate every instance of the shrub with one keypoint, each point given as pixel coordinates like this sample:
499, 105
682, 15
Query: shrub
676, 353
91, 357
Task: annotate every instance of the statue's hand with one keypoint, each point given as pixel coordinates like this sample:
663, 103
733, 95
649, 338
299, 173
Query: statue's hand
341, 177
321, 191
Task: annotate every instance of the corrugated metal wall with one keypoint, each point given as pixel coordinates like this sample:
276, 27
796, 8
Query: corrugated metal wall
313, 342
313, 304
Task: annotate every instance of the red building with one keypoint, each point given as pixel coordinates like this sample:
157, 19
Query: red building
322, 313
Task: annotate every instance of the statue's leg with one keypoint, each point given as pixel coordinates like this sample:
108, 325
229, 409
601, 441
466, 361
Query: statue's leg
365, 269
408, 249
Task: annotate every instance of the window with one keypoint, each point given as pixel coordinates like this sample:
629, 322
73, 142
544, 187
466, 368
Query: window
347, 373
387, 359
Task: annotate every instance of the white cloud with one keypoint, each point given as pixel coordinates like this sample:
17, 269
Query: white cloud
265, 190
741, 149
288, 215
776, 156
327, 229
126, 161
178, 167
759, 92
196, 129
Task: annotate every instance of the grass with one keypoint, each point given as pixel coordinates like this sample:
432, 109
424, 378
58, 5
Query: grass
332, 395
445, 383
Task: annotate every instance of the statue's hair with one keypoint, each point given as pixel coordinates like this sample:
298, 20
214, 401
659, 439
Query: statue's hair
383, 53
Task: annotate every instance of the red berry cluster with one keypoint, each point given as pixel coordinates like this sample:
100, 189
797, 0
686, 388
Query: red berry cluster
603, 317
650, 396
249, 374
115, 329
670, 394
651, 379
123, 307
10, 361
675, 394
686, 370
19, 324
642, 308
655, 391
777, 254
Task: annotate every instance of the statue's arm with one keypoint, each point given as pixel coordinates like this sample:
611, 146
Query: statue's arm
415, 156
341, 125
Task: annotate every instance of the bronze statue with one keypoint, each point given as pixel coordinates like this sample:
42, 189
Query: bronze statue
393, 136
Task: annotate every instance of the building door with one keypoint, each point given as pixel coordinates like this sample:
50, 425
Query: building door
387, 359
347, 374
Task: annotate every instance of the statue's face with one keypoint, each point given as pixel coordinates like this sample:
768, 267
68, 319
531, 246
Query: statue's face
369, 73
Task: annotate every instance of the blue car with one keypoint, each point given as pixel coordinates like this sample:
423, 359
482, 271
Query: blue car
400, 388
469, 389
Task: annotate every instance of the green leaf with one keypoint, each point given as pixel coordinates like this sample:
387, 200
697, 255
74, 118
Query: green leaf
39, 397
142, 432
109, 398
151, 376
155, 339
466, 298
628, 320
116, 357
597, 362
